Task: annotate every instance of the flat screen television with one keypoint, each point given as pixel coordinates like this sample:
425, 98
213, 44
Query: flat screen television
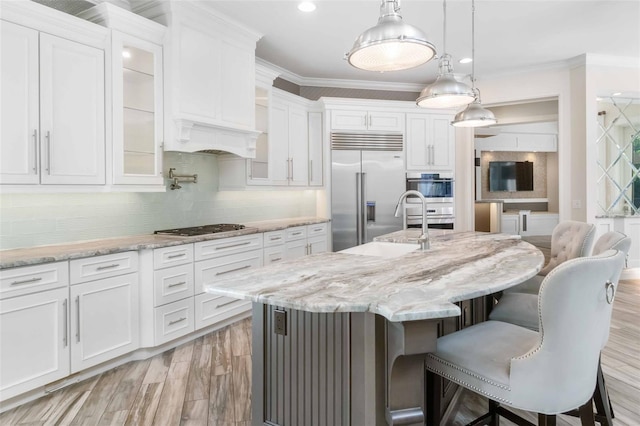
510, 176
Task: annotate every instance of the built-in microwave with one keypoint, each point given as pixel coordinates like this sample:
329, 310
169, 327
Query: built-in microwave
436, 187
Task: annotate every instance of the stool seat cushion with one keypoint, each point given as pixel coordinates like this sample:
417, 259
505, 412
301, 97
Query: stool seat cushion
479, 357
530, 286
517, 308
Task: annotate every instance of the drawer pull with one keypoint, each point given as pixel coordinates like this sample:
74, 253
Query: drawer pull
177, 321
297, 233
102, 268
233, 245
276, 259
177, 284
27, 281
227, 303
233, 270
275, 238
173, 256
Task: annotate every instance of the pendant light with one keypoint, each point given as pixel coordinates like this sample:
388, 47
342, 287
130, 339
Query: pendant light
446, 91
474, 115
391, 45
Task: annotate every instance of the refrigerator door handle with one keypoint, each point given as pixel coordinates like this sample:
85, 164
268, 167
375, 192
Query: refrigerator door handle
363, 207
359, 213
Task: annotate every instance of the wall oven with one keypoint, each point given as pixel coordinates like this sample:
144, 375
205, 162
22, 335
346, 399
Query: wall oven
438, 189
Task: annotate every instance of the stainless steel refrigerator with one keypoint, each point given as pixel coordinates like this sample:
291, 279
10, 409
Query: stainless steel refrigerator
365, 186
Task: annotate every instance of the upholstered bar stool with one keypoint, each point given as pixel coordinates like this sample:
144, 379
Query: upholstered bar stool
551, 371
569, 239
522, 309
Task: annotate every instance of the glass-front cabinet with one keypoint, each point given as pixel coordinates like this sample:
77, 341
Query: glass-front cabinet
137, 111
259, 166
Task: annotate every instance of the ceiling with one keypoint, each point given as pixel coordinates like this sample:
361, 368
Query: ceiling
510, 35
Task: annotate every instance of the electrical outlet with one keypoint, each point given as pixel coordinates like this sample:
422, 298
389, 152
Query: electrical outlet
280, 322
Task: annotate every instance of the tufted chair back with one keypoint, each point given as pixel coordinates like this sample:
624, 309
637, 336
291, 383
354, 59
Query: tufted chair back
575, 305
570, 239
612, 240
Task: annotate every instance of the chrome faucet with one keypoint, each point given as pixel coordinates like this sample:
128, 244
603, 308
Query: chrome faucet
424, 238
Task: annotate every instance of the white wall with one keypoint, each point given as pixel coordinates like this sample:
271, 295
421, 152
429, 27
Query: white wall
38, 219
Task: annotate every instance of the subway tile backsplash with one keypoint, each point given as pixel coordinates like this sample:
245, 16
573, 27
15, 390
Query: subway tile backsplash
38, 219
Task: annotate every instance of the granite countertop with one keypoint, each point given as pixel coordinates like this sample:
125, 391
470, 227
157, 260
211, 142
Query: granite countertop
414, 286
58, 252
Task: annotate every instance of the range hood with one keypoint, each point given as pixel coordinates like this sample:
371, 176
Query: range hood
209, 78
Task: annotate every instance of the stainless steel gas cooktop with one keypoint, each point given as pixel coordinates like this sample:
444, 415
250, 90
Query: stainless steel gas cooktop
201, 230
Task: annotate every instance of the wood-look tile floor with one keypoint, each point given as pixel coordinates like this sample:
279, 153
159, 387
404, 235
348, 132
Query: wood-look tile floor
208, 382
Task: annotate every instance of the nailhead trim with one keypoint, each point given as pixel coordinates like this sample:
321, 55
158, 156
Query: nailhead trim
469, 386
470, 373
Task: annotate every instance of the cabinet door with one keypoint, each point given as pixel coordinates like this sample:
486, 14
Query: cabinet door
72, 121
19, 137
137, 111
417, 142
349, 120
442, 142
386, 121
510, 224
315, 149
279, 144
317, 244
33, 341
296, 249
298, 147
104, 320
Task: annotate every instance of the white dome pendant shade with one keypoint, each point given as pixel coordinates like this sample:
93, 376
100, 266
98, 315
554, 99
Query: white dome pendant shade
391, 45
474, 115
446, 91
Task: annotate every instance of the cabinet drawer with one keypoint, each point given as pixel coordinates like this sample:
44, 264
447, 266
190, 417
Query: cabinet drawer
296, 233
222, 247
98, 267
274, 254
317, 229
172, 256
173, 320
274, 238
210, 271
211, 309
29, 279
172, 284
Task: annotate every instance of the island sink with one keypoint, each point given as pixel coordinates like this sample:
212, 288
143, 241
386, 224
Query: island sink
382, 249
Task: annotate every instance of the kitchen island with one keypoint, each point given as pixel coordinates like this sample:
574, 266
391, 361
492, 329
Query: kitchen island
340, 338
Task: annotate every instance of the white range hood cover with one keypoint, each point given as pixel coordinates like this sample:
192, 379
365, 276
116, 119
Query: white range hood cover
194, 136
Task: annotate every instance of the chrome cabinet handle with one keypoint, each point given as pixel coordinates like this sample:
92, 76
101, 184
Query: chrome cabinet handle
276, 259
27, 281
233, 245
173, 256
291, 169
370, 121
274, 238
176, 284
102, 268
297, 233
48, 138
288, 178
233, 270
226, 303
78, 319
35, 151
66, 325
310, 171
177, 321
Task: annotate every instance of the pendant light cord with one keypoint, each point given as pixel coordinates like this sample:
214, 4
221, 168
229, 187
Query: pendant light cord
444, 27
473, 44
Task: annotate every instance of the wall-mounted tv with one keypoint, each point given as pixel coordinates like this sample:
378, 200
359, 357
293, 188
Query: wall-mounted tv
510, 176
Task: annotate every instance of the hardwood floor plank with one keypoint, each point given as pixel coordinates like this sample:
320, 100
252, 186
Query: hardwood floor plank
199, 373
114, 418
128, 388
221, 407
221, 352
240, 339
171, 401
66, 410
145, 406
159, 367
241, 376
195, 413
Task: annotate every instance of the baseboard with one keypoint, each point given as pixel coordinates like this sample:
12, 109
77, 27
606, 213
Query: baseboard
630, 274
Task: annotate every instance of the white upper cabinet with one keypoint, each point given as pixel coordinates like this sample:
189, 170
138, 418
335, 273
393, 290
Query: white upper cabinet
430, 142
356, 120
524, 142
315, 149
59, 91
137, 95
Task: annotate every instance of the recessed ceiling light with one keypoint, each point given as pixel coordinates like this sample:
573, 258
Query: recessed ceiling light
126, 54
465, 60
616, 94
306, 6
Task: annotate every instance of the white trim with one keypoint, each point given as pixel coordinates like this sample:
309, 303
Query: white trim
630, 274
115, 18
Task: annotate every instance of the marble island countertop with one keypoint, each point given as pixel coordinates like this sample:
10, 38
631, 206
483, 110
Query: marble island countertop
76, 250
417, 285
